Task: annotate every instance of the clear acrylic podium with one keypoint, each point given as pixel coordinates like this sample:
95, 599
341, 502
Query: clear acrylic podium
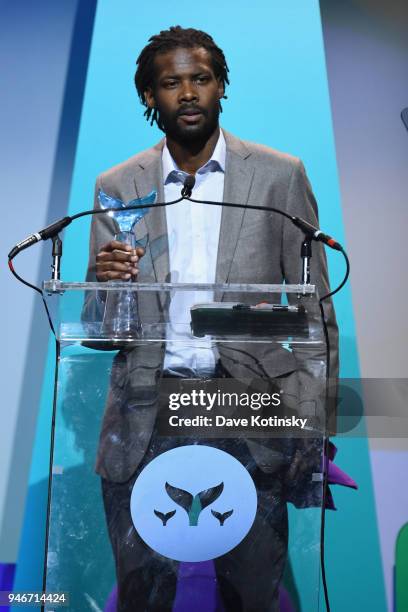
224, 514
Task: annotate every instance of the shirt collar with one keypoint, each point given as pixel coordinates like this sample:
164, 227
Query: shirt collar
171, 172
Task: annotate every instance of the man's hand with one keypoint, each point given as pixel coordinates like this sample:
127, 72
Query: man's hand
117, 261
306, 460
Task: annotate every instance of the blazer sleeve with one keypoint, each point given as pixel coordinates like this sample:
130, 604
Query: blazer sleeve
301, 202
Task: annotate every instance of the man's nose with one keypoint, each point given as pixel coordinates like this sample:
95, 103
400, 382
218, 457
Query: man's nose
188, 92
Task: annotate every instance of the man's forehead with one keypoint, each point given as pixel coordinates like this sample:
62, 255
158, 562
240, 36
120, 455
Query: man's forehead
182, 59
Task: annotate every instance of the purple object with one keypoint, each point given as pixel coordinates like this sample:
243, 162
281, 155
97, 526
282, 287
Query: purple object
7, 572
336, 476
197, 588
200, 578
112, 601
285, 602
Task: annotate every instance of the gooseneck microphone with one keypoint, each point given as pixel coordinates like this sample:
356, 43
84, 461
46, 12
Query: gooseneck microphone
314, 233
48, 232
188, 186
310, 231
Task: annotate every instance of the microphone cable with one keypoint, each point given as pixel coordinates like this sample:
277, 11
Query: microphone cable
34, 288
326, 444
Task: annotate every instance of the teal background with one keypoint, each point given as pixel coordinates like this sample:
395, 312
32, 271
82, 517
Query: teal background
279, 97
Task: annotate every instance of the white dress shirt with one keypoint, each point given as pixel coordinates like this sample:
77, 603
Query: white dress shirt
193, 233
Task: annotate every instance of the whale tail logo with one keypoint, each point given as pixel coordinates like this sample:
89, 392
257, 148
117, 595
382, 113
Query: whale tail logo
194, 505
164, 517
221, 517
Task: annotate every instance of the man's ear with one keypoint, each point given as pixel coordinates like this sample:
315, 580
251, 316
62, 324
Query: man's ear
149, 98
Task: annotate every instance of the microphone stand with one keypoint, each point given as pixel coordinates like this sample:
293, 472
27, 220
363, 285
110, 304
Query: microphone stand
306, 254
56, 258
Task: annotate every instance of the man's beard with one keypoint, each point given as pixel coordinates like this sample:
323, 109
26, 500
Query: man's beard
189, 134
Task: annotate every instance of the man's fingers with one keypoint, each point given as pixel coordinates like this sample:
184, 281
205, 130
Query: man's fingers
114, 270
116, 255
118, 251
114, 266
114, 245
117, 261
112, 275
302, 463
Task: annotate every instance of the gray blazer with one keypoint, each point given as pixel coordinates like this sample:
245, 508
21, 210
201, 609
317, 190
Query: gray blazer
254, 247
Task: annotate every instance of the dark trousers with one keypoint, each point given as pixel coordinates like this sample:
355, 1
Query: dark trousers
248, 576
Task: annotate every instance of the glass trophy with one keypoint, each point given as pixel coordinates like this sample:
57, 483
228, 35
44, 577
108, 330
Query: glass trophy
121, 316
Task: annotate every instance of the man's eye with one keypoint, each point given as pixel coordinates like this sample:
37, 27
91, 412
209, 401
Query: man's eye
170, 84
202, 79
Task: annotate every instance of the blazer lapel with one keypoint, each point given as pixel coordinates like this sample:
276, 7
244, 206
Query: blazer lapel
238, 179
148, 177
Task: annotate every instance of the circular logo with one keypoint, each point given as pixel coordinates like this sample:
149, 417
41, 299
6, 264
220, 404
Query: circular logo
193, 503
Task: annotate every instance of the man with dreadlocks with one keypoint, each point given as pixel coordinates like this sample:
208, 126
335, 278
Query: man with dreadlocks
181, 78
